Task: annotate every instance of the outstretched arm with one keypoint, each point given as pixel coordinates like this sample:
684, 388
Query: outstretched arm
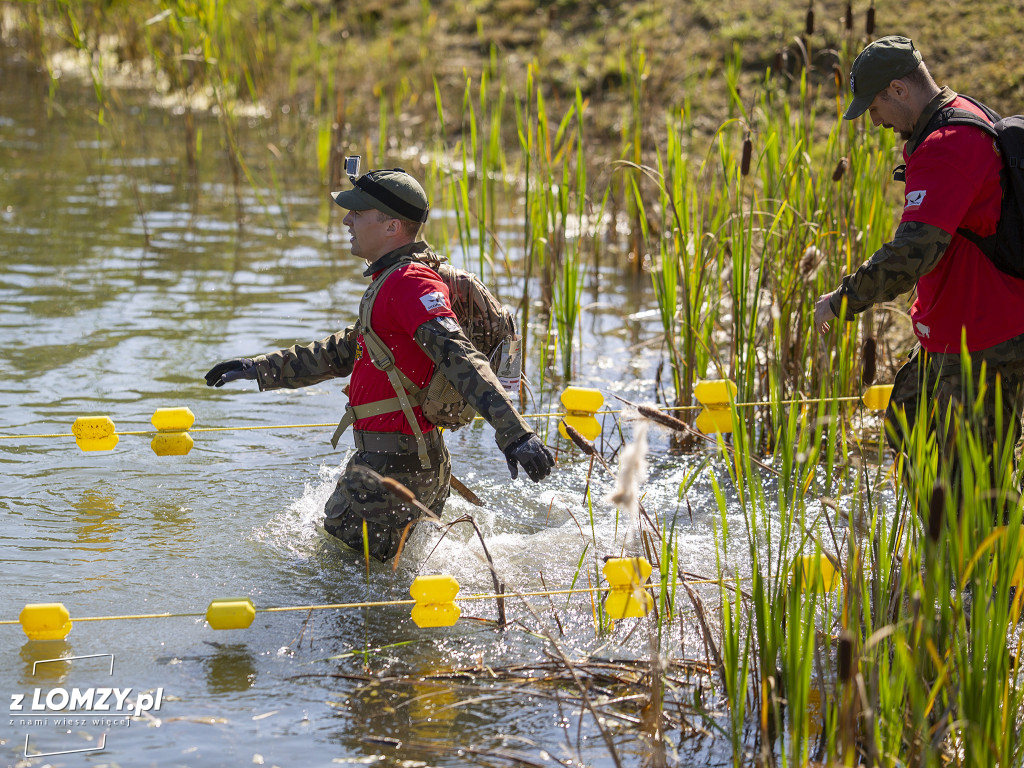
467, 369
301, 366
893, 269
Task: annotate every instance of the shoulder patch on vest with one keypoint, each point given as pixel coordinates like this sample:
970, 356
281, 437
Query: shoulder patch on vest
434, 301
449, 324
914, 199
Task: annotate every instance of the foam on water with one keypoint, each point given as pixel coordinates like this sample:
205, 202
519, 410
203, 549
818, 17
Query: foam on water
528, 550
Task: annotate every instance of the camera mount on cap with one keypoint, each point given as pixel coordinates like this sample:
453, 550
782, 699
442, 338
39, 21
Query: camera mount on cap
352, 167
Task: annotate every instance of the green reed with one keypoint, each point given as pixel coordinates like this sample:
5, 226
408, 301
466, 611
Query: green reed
923, 613
556, 211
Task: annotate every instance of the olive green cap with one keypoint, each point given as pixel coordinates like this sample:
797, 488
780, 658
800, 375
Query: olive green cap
392, 191
886, 59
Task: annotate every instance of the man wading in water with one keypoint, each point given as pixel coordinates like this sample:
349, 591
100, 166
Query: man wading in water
953, 198
412, 315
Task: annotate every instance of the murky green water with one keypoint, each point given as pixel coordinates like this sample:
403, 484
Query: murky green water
98, 321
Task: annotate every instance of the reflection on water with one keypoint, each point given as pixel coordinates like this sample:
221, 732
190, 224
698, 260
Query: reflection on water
96, 520
230, 669
39, 666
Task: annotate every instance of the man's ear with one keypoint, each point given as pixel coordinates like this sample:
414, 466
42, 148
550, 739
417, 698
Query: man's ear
900, 89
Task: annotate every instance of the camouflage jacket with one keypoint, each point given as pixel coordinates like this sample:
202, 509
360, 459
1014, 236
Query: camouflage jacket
914, 251
444, 343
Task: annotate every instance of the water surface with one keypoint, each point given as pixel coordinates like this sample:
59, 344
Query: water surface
121, 284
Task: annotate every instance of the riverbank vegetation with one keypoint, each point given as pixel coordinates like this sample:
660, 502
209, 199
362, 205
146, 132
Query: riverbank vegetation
697, 146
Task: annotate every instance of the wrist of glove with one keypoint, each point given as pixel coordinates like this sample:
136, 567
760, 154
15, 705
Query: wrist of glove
529, 452
231, 370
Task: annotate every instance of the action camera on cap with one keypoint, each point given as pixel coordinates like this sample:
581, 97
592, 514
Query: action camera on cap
352, 166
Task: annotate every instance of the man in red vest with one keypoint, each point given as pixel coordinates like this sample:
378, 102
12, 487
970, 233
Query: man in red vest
963, 299
412, 316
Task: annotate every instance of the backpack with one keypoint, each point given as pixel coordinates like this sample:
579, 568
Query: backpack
1005, 248
490, 327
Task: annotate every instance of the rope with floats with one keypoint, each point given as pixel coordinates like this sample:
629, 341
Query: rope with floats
434, 598
173, 427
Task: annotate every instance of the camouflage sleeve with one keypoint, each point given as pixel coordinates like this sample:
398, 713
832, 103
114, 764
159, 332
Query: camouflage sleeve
470, 373
301, 366
893, 269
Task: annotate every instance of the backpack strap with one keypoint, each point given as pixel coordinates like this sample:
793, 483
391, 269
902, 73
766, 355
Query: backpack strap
384, 360
355, 412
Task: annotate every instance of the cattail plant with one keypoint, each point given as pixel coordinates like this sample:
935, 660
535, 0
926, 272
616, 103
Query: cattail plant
841, 166
748, 150
868, 351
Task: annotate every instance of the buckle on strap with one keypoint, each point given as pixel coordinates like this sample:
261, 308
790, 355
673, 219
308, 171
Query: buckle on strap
346, 421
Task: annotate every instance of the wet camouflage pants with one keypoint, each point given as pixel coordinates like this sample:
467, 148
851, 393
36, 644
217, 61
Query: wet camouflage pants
359, 496
929, 384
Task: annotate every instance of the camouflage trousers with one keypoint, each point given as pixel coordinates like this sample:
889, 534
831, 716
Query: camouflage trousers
360, 497
952, 396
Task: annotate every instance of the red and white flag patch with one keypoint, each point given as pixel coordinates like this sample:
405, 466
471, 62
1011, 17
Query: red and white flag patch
434, 301
915, 199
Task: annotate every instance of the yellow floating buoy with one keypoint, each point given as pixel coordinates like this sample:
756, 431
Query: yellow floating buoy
581, 403
173, 419
173, 424
45, 621
94, 433
715, 395
627, 596
435, 596
877, 397
230, 613
816, 573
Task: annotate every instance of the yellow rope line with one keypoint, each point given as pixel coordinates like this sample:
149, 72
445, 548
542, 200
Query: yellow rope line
763, 403
381, 603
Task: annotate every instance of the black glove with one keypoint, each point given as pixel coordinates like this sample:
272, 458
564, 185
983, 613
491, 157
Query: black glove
230, 370
536, 458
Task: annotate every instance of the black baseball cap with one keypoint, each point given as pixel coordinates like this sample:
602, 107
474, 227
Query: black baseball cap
886, 59
392, 191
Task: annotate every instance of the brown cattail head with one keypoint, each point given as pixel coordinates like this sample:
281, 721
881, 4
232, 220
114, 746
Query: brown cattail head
748, 150
936, 511
781, 60
581, 442
849, 17
844, 657
869, 25
663, 418
867, 371
809, 20
841, 166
